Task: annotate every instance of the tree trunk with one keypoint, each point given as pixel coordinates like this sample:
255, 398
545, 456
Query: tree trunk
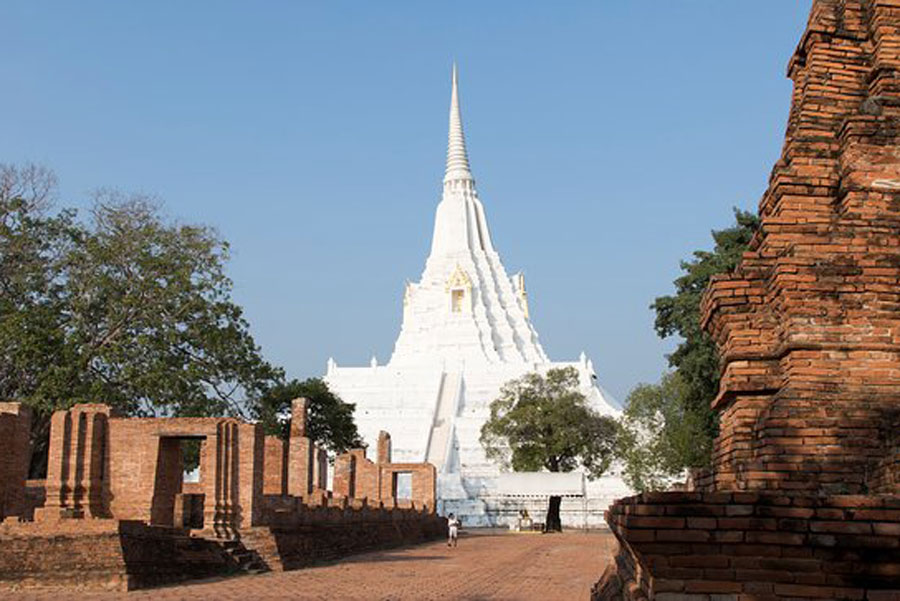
553, 523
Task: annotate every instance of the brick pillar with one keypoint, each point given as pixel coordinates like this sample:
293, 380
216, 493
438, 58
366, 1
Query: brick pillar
298, 417
300, 453
384, 447
77, 482
57, 483
15, 436
424, 486
344, 483
275, 466
251, 448
167, 481
321, 469
220, 461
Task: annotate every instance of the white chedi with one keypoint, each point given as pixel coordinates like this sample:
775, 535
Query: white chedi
466, 331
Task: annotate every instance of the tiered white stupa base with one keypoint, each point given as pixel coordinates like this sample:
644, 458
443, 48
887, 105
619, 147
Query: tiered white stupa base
408, 401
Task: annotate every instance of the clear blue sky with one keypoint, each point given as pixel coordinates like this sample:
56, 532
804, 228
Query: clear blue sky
607, 138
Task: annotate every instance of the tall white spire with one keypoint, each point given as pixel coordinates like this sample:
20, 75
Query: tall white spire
465, 332
457, 157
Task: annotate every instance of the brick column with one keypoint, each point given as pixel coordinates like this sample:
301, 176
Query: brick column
15, 434
77, 485
275, 466
384, 447
320, 481
344, 475
251, 448
300, 453
220, 462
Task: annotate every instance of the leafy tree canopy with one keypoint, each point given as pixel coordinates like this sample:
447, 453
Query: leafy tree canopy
329, 419
127, 309
660, 436
695, 358
670, 426
544, 423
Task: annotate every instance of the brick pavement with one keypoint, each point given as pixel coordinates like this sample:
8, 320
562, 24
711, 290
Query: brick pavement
487, 565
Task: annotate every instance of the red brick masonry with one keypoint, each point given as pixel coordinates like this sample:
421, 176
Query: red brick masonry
15, 425
681, 546
115, 512
800, 501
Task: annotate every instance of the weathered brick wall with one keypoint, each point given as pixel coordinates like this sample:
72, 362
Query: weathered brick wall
123, 555
808, 329
375, 481
132, 468
320, 481
808, 326
688, 546
275, 466
15, 432
424, 481
128, 473
104, 555
35, 497
344, 481
251, 445
166, 483
368, 477
315, 534
886, 475
145, 471
383, 454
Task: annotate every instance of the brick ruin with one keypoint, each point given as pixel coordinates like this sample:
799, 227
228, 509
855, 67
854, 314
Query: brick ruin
15, 426
803, 498
354, 475
116, 497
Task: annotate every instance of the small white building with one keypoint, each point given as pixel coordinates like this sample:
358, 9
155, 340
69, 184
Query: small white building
466, 331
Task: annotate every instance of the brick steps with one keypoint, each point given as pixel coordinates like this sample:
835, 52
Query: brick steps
246, 560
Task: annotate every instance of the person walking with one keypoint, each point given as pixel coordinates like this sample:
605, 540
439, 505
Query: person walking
452, 530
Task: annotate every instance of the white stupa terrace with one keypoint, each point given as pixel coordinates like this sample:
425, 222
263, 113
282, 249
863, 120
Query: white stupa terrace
466, 331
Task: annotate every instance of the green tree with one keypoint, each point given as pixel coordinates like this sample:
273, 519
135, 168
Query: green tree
660, 436
152, 327
34, 250
127, 309
544, 423
329, 421
670, 426
696, 359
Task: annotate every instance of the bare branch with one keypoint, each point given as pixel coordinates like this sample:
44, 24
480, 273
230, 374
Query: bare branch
34, 184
